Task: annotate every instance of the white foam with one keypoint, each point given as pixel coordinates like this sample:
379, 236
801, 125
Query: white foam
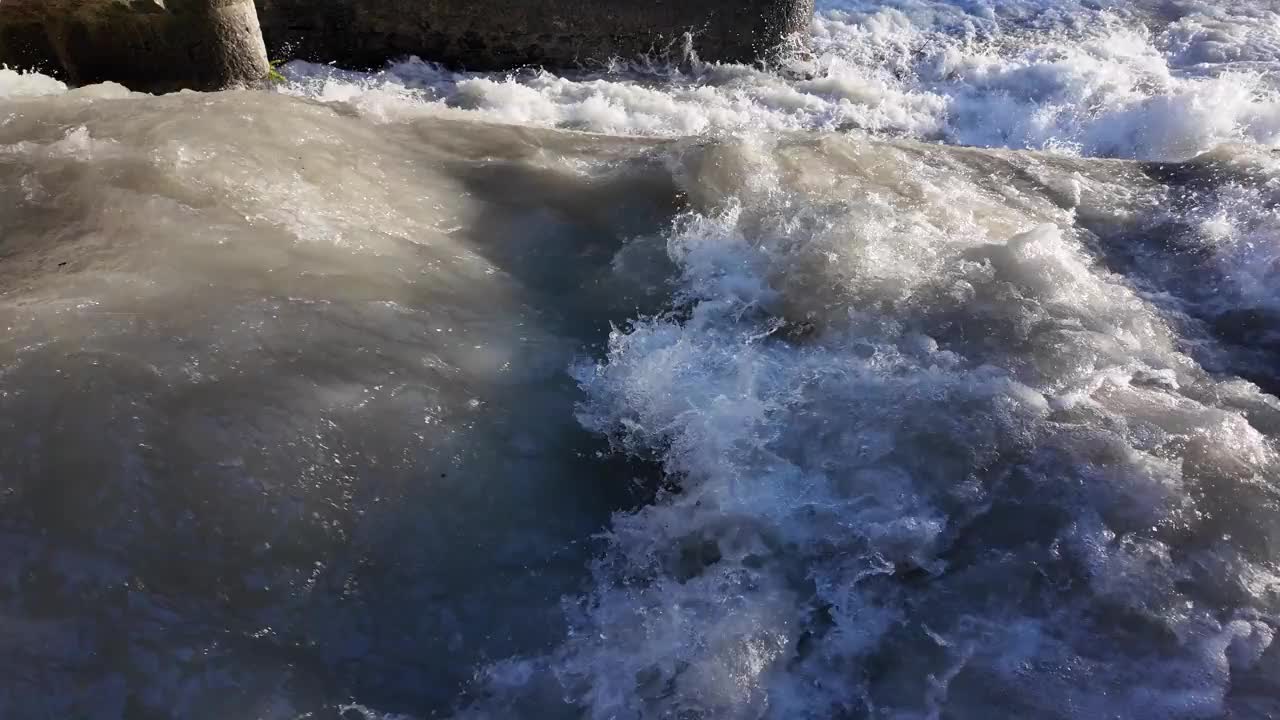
1056, 464
1093, 79
1228, 227
15, 84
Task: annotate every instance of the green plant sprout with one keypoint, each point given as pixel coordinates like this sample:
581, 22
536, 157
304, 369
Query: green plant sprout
274, 75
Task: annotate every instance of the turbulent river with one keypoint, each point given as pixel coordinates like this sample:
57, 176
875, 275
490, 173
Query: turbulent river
930, 372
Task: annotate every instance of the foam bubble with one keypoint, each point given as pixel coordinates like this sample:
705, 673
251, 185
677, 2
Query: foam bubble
1028, 505
1085, 78
15, 84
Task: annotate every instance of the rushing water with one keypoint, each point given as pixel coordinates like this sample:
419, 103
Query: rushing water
930, 373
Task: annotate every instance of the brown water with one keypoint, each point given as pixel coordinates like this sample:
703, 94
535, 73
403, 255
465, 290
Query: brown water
357, 404
285, 405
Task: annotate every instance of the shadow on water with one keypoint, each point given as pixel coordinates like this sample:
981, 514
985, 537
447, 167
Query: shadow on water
247, 503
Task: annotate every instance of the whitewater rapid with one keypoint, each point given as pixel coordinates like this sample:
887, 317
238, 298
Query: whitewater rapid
930, 372
1114, 78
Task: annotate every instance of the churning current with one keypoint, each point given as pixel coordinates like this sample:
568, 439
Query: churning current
930, 372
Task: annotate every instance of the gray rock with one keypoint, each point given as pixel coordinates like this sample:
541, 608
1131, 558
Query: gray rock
151, 45
499, 34
162, 45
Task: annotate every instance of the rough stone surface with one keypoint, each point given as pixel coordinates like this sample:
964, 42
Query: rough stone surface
498, 34
161, 45
151, 45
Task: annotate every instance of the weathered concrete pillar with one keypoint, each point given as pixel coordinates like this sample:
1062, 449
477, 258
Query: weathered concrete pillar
497, 34
150, 45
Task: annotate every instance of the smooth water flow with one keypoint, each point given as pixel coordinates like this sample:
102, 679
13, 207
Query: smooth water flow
931, 374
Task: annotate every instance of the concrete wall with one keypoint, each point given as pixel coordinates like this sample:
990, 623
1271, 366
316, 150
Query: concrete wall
161, 45
498, 34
